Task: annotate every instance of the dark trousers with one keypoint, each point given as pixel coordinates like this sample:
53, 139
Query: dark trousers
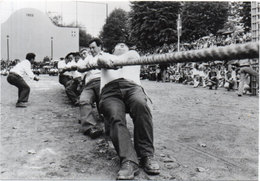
243, 72
89, 114
117, 98
23, 88
72, 90
64, 79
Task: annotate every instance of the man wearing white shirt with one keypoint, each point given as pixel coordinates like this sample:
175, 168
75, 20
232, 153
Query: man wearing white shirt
73, 90
89, 113
64, 76
121, 93
16, 75
245, 68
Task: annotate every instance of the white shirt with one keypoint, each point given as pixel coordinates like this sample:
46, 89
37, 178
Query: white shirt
23, 68
195, 72
61, 65
131, 73
202, 74
91, 74
74, 73
233, 75
244, 62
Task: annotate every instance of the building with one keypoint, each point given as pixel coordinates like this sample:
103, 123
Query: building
255, 29
255, 20
30, 30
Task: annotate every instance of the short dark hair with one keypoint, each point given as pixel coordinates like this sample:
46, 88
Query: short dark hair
76, 54
83, 49
69, 54
98, 42
30, 56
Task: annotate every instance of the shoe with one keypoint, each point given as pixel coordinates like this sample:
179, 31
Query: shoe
76, 103
150, 165
94, 132
20, 104
128, 171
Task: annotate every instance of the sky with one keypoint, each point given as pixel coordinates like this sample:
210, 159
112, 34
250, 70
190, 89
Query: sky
91, 14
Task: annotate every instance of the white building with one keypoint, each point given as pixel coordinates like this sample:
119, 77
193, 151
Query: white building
30, 30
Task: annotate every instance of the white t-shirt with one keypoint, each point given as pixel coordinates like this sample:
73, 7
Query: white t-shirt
74, 73
23, 68
62, 65
131, 73
91, 74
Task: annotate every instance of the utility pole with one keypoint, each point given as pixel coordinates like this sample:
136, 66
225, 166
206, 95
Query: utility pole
51, 48
61, 13
45, 6
106, 10
7, 44
179, 35
179, 30
76, 13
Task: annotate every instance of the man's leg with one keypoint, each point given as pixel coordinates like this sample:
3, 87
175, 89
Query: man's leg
87, 115
23, 88
63, 79
25, 91
250, 71
241, 83
113, 110
143, 129
71, 92
142, 118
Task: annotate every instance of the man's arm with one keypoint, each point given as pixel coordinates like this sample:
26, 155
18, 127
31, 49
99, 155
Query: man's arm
110, 61
28, 71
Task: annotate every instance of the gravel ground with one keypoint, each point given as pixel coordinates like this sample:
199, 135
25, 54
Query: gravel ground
200, 134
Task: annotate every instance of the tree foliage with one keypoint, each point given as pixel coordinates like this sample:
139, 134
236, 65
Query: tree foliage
115, 29
153, 23
245, 12
84, 38
203, 18
56, 19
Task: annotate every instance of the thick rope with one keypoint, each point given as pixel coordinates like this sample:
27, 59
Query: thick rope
230, 52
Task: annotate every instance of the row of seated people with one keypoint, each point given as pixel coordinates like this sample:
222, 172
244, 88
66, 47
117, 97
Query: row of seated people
205, 75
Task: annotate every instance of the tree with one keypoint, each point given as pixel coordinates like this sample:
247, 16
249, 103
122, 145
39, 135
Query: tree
115, 29
153, 23
245, 12
203, 18
84, 38
55, 18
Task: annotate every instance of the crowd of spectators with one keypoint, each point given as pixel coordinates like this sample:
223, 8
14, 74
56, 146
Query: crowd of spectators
206, 75
211, 74
7, 65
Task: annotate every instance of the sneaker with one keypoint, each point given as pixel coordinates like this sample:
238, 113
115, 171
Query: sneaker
128, 171
21, 104
150, 166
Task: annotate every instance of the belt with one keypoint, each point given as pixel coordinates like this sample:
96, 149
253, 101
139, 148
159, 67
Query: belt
15, 74
66, 75
244, 66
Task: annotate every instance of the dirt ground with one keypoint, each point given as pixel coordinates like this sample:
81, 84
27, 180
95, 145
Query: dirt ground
199, 134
